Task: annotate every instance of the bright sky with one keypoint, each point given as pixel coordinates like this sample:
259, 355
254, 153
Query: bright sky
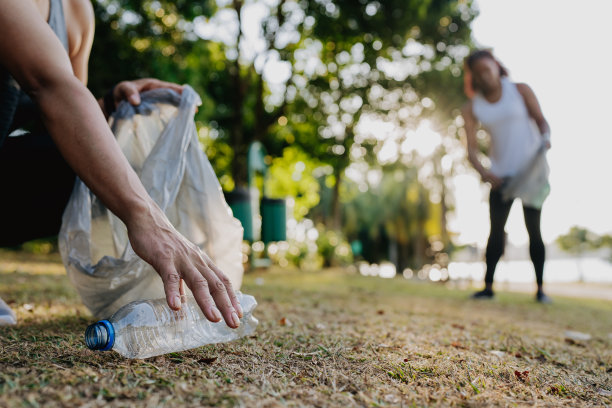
561, 49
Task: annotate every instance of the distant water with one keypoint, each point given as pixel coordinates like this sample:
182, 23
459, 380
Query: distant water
594, 270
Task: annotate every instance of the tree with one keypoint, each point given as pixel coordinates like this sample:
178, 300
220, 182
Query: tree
385, 61
577, 241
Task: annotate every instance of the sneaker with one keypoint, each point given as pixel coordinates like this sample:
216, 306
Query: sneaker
483, 294
542, 298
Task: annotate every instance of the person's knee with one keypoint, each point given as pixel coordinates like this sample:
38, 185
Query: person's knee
495, 247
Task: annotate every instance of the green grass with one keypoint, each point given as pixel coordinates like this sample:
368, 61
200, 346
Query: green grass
328, 338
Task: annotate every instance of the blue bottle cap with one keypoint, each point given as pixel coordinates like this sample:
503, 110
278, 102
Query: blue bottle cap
100, 336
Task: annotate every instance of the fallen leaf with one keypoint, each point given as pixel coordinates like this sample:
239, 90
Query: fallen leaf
207, 360
522, 376
406, 360
458, 345
380, 312
458, 326
320, 326
285, 322
498, 353
518, 355
29, 307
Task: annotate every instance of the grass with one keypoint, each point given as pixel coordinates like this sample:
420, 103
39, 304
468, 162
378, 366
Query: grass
328, 338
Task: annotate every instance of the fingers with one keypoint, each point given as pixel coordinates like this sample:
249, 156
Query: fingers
220, 289
182, 288
220, 294
171, 280
129, 91
199, 287
228, 286
147, 84
175, 87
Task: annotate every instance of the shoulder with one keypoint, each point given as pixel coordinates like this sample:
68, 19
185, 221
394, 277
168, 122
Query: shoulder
523, 89
80, 23
82, 9
79, 15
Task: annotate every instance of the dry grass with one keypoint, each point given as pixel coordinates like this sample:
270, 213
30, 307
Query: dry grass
325, 339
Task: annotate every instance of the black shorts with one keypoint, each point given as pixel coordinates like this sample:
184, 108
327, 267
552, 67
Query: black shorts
35, 185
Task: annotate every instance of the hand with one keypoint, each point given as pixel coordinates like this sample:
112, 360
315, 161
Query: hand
176, 259
130, 90
492, 179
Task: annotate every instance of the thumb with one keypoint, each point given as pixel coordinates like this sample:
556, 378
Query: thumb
134, 98
129, 91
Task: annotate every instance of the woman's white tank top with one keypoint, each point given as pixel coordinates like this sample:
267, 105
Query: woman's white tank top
514, 137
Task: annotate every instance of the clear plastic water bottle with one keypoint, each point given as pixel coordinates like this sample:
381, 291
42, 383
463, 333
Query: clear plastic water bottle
150, 328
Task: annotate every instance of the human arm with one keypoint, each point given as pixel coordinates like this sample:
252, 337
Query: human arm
470, 124
36, 59
534, 110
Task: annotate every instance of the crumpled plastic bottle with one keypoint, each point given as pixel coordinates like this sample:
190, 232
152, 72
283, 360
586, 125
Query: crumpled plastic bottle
150, 328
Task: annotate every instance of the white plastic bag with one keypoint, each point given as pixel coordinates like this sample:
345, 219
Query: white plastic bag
531, 183
7, 315
160, 141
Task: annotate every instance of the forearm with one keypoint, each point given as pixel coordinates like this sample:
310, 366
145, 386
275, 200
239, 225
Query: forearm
81, 133
102, 108
475, 162
544, 128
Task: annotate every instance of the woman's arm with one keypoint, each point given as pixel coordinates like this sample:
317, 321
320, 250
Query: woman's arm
470, 123
35, 57
534, 110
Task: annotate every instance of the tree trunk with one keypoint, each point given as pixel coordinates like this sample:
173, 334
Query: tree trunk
444, 210
336, 210
239, 170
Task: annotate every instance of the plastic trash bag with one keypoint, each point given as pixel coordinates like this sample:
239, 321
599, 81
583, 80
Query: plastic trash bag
531, 183
7, 315
159, 139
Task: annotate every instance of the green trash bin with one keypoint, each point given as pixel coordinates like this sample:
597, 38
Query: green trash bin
273, 220
239, 201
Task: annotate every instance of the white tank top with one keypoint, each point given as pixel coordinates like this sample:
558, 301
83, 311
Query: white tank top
514, 136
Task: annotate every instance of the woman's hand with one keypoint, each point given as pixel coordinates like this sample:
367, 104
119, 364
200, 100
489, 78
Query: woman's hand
492, 179
156, 241
130, 90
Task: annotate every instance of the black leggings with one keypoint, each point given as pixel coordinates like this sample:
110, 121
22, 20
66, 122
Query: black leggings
35, 185
499, 210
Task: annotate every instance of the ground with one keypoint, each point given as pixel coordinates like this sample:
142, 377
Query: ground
327, 338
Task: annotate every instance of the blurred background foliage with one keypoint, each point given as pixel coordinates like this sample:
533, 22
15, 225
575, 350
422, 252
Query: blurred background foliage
356, 101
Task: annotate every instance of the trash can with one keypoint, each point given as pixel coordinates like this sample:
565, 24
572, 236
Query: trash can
239, 201
274, 220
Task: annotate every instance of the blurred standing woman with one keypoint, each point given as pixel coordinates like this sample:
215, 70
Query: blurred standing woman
506, 110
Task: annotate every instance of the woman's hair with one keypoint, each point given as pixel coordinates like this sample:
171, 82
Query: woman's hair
470, 85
